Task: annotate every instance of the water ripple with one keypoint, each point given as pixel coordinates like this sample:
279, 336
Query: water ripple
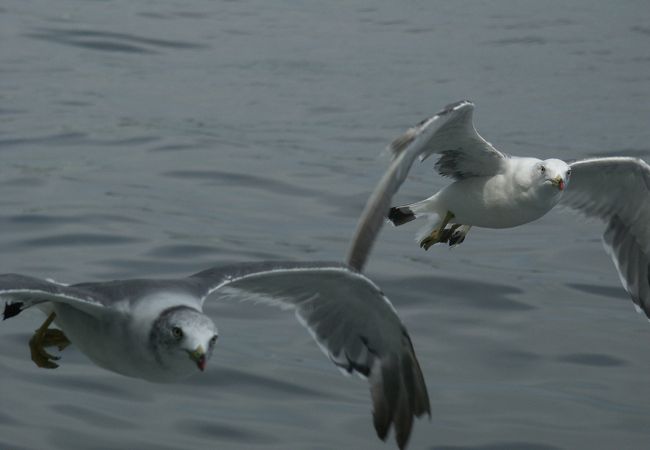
6, 419
227, 377
110, 41
77, 239
183, 251
6, 446
244, 180
106, 387
39, 220
603, 291
644, 30
523, 40
221, 432
75, 138
126, 268
592, 359
67, 438
55, 139
459, 292
92, 416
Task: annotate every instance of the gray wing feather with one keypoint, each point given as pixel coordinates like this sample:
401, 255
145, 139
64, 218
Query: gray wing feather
617, 191
22, 292
451, 134
350, 319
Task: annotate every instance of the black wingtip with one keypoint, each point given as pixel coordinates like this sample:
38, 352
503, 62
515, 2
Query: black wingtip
381, 423
400, 216
11, 310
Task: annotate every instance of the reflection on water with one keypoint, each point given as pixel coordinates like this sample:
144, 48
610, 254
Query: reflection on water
147, 139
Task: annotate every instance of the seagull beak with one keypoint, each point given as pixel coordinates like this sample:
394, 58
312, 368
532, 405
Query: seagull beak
559, 182
198, 356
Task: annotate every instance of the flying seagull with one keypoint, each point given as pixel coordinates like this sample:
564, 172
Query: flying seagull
155, 329
495, 190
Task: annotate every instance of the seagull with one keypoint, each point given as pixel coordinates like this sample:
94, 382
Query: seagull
155, 329
495, 190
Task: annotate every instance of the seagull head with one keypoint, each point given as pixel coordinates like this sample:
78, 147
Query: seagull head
182, 339
553, 173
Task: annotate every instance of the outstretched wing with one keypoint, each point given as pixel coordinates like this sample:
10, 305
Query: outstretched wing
617, 190
22, 292
351, 320
451, 134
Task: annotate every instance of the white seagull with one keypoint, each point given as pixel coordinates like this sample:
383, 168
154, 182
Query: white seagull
155, 329
495, 190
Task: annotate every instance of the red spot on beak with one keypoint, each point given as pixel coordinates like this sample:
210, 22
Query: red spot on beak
201, 362
198, 356
561, 185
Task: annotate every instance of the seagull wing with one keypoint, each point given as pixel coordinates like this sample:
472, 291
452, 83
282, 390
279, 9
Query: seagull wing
22, 292
617, 190
351, 320
464, 153
451, 134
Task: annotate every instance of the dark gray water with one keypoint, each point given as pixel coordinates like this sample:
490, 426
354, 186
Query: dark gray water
142, 138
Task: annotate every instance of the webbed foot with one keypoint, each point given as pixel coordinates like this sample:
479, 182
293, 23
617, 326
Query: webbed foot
458, 235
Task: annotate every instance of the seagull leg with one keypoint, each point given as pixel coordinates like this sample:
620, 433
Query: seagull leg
44, 337
438, 233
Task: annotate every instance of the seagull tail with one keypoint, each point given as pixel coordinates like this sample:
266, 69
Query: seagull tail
400, 215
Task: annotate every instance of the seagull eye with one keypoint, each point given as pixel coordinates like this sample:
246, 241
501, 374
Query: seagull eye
177, 332
542, 169
568, 172
213, 340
